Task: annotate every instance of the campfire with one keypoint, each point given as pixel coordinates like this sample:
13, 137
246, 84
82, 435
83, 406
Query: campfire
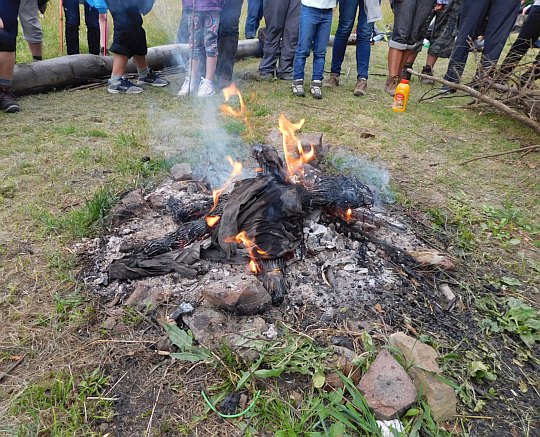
292, 233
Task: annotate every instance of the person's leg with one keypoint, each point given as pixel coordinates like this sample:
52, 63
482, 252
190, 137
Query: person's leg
182, 37
529, 33
501, 19
229, 26
33, 34
289, 41
275, 12
307, 30
91, 19
253, 18
211, 26
320, 43
423, 14
363, 43
8, 42
347, 15
104, 31
472, 15
444, 33
398, 44
73, 19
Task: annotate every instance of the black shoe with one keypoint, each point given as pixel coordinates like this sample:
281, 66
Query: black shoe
263, 75
286, 77
152, 78
8, 103
404, 73
427, 70
445, 90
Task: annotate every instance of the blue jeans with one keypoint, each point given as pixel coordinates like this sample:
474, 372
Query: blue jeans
315, 25
347, 16
254, 17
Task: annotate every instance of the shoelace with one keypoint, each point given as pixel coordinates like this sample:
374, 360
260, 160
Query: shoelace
7, 93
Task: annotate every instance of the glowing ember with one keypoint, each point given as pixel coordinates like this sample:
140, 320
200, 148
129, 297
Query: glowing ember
251, 247
292, 143
348, 215
212, 220
236, 171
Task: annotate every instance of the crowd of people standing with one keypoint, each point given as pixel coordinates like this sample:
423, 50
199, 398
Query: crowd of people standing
294, 29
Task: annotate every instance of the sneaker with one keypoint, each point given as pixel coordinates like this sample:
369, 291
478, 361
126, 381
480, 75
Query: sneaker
316, 89
7, 101
152, 78
298, 88
445, 90
404, 73
285, 77
391, 83
206, 88
361, 87
332, 81
185, 90
123, 86
428, 71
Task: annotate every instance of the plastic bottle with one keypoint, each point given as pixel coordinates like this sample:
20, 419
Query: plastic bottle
401, 96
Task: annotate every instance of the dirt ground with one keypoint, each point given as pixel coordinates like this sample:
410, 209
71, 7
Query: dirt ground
69, 154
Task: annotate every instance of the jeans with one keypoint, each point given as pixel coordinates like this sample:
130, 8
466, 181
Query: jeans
254, 17
347, 17
315, 26
501, 15
73, 21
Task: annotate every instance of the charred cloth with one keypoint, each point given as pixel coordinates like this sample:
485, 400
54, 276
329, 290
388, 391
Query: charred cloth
262, 215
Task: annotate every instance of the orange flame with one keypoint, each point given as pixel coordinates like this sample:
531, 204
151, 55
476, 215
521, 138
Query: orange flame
251, 247
292, 144
236, 171
227, 109
212, 220
348, 215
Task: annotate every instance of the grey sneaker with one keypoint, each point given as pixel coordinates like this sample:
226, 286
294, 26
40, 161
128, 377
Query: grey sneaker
206, 88
123, 86
152, 78
298, 88
332, 81
361, 87
316, 89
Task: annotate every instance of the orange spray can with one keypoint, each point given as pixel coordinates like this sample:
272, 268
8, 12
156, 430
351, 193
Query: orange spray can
401, 96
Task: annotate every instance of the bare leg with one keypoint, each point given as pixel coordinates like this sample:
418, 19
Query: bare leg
104, 31
36, 48
7, 64
140, 62
406, 55
431, 60
412, 57
211, 63
394, 61
119, 65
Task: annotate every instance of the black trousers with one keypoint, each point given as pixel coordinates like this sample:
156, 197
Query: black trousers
9, 10
528, 35
501, 16
229, 27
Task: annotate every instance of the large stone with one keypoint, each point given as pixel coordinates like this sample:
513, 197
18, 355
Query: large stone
314, 140
181, 172
213, 328
131, 205
243, 295
416, 353
440, 397
421, 358
387, 388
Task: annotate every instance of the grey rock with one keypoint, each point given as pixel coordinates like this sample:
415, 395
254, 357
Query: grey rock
387, 388
243, 295
183, 308
182, 172
131, 205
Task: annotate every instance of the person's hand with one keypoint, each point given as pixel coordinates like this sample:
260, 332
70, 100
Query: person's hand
438, 7
1, 23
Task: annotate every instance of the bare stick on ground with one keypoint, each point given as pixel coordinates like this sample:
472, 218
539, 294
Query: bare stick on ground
493, 155
484, 98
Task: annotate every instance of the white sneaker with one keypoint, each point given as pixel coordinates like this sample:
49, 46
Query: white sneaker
206, 88
184, 91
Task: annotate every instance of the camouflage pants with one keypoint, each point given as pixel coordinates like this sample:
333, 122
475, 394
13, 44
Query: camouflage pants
444, 31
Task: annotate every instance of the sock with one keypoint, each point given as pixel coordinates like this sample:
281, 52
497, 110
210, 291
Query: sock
143, 72
5, 83
115, 79
37, 58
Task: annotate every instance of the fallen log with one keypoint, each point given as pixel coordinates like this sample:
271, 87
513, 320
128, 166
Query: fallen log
484, 98
76, 70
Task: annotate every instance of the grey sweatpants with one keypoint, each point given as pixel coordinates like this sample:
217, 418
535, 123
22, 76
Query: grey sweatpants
409, 19
28, 16
282, 25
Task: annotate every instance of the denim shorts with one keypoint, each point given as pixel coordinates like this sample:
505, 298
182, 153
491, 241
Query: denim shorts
410, 17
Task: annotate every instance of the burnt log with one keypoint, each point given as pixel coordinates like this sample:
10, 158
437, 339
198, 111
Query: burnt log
186, 234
